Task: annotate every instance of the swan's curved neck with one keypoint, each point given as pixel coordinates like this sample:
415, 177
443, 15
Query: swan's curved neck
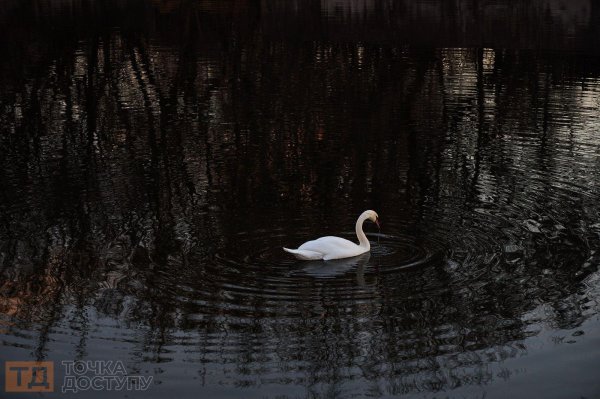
362, 238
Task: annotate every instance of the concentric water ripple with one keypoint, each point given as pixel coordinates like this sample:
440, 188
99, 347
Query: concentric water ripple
255, 277
389, 253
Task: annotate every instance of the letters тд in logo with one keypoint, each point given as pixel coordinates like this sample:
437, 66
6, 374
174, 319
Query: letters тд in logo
29, 376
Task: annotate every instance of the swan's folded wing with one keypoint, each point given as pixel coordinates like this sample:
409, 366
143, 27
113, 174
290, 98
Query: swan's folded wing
328, 244
332, 247
304, 254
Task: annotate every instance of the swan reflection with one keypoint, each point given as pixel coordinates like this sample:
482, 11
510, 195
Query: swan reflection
337, 267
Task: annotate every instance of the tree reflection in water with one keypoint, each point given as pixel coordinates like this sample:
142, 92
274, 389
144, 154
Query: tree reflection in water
155, 156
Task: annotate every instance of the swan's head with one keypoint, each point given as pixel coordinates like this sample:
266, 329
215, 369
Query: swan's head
373, 216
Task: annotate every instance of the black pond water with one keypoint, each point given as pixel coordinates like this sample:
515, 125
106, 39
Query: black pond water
156, 155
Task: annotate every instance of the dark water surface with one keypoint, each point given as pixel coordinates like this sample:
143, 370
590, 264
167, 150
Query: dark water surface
156, 155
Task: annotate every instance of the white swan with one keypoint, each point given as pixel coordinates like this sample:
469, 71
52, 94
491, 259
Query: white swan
329, 247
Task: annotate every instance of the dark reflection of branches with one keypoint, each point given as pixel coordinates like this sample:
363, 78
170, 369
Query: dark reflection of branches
133, 158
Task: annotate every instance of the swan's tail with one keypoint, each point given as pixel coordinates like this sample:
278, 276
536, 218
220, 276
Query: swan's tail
304, 254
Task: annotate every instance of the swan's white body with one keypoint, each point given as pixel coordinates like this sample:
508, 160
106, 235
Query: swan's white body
327, 248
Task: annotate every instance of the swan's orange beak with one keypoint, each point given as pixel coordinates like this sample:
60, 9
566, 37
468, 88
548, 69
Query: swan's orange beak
377, 223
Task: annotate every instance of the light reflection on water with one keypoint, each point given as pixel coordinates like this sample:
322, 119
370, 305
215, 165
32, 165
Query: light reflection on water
150, 178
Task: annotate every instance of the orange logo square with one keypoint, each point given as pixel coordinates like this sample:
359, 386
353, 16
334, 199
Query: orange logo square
29, 376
